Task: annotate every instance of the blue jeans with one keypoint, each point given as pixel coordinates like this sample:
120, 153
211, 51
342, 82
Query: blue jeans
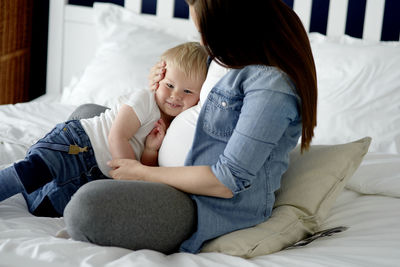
50, 171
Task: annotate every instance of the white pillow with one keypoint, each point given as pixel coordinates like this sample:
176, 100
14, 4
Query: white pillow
369, 179
359, 91
130, 45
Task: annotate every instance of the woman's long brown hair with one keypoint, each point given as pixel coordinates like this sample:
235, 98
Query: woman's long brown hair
239, 33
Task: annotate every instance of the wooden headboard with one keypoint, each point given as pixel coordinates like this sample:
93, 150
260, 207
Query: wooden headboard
72, 39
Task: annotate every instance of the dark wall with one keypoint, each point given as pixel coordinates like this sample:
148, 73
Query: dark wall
40, 21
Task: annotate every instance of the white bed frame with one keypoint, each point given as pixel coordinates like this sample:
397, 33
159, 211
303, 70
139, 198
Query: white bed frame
72, 38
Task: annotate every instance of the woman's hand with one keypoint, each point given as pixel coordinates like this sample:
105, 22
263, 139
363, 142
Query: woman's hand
157, 73
124, 169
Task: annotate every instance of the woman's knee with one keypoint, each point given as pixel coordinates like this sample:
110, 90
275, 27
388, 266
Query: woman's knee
87, 111
83, 210
133, 215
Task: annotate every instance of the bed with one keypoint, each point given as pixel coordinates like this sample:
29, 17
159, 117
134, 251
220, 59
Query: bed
97, 54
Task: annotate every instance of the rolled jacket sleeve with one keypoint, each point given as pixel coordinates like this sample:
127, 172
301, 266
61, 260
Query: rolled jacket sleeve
263, 120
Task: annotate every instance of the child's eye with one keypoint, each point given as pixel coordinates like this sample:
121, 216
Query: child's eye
170, 86
186, 91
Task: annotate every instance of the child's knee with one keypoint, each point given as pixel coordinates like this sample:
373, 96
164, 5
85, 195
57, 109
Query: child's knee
33, 172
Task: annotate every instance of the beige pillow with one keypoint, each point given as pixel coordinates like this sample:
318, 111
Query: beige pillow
309, 188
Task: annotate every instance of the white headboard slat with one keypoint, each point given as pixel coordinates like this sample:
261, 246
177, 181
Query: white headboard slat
79, 14
165, 9
55, 46
337, 17
373, 20
303, 10
135, 5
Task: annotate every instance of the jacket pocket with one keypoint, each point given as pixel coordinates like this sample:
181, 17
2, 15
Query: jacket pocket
221, 114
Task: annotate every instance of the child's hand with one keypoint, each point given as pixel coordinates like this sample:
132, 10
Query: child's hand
156, 136
156, 74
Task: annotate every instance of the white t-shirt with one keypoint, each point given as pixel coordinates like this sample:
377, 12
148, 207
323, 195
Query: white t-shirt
97, 128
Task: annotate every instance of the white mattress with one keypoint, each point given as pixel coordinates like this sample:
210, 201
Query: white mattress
369, 206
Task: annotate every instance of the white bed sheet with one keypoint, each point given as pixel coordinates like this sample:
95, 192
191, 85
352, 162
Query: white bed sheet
369, 206
23, 124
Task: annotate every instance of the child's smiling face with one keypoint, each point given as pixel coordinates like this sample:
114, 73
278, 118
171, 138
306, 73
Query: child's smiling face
177, 92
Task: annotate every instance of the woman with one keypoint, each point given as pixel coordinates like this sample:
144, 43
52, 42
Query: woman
251, 120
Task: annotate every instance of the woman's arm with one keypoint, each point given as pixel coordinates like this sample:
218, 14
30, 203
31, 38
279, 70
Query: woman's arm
125, 125
199, 180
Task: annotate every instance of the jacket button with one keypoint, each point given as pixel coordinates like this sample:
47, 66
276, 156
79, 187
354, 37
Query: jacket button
223, 103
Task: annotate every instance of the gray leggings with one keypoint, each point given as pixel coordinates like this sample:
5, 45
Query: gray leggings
130, 214
86, 111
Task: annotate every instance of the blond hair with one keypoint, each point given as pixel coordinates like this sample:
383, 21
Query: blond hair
190, 58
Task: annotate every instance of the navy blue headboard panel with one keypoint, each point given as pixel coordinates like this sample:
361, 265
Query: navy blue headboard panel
391, 21
181, 9
319, 15
355, 18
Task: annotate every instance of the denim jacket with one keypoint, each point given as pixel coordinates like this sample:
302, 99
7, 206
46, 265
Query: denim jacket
245, 131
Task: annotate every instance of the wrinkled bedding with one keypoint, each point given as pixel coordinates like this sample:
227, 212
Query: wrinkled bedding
369, 206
